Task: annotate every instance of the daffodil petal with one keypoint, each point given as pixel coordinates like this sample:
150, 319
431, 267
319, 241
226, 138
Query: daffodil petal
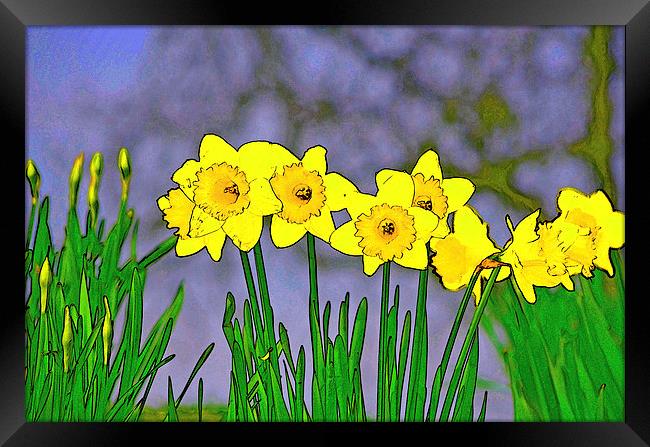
428, 165
321, 226
263, 200
415, 257
201, 223
616, 230
216, 150
177, 210
371, 264
244, 229
344, 240
260, 159
185, 176
568, 283
526, 287
214, 242
338, 190
360, 203
285, 234
314, 160
442, 229
603, 260
458, 191
425, 222
189, 246
395, 188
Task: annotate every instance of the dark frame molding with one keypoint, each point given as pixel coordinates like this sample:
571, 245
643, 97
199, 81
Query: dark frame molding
17, 15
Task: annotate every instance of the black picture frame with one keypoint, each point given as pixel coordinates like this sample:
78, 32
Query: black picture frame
17, 15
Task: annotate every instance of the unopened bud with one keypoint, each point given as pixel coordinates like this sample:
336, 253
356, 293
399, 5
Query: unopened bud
124, 163
66, 339
96, 168
44, 280
34, 179
107, 331
75, 178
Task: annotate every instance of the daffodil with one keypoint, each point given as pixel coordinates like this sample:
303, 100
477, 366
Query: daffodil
594, 214
457, 256
308, 195
441, 196
386, 227
546, 254
225, 192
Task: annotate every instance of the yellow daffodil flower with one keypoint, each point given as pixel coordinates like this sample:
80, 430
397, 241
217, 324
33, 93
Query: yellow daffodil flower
386, 227
545, 255
457, 255
441, 196
594, 214
225, 191
308, 195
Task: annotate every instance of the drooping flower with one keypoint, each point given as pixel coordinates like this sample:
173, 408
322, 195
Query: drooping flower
386, 227
594, 214
441, 196
457, 255
309, 195
226, 190
546, 254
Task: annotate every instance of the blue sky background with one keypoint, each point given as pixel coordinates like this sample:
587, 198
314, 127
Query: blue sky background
374, 96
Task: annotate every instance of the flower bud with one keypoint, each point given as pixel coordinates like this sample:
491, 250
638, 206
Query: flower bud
124, 163
107, 331
96, 168
44, 280
75, 178
66, 339
34, 179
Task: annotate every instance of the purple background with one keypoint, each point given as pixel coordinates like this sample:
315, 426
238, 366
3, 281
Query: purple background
374, 96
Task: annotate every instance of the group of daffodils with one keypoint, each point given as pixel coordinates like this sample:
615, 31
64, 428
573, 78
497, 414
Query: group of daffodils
227, 192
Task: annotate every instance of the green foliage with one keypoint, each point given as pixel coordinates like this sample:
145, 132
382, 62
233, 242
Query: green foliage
74, 356
565, 353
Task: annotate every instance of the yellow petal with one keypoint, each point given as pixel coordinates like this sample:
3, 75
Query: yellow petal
260, 159
285, 234
442, 229
428, 165
216, 150
338, 190
263, 201
425, 222
525, 230
189, 246
244, 229
395, 188
526, 287
603, 260
321, 226
201, 223
344, 240
177, 210
186, 175
371, 264
214, 242
415, 258
568, 283
616, 230
458, 191
360, 203
314, 160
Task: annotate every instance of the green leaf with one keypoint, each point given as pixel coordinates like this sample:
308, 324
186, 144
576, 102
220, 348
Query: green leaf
172, 415
464, 408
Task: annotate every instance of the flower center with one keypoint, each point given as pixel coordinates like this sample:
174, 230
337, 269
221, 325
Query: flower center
429, 195
301, 192
221, 191
386, 232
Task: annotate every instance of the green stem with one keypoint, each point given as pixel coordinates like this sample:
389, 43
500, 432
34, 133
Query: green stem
30, 226
314, 323
442, 368
416, 391
381, 373
469, 337
158, 252
252, 294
